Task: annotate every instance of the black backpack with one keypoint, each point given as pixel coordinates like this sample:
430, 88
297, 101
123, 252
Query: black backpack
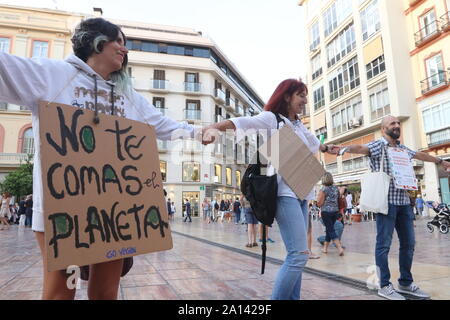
261, 191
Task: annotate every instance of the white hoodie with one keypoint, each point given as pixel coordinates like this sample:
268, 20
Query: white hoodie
26, 81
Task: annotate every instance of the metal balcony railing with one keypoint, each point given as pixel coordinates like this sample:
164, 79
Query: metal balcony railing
14, 158
162, 145
219, 94
159, 84
239, 110
445, 22
434, 82
162, 110
192, 86
438, 137
427, 33
192, 114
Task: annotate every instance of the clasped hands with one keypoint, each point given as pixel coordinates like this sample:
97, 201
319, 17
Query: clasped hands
210, 133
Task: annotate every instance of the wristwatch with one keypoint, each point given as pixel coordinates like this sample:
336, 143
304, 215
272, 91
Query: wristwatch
326, 149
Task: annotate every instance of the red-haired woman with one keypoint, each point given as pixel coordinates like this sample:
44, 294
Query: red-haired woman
288, 100
4, 209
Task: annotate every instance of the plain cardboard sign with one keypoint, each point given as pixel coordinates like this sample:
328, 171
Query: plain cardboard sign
293, 161
102, 187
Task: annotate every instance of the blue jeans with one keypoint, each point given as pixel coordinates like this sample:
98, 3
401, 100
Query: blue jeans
329, 219
400, 218
292, 219
28, 221
237, 216
338, 228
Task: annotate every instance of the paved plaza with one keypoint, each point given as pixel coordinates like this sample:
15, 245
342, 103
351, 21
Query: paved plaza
210, 261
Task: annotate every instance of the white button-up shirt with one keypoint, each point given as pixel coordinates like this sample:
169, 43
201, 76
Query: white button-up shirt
268, 121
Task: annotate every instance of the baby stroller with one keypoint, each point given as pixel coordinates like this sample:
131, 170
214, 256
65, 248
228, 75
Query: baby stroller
441, 220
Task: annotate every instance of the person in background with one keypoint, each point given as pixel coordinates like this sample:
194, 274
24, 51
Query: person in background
251, 221
188, 211
338, 228
169, 209
29, 211
349, 206
222, 209
327, 200
4, 210
14, 210
216, 208
237, 211
419, 205
173, 209
311, 254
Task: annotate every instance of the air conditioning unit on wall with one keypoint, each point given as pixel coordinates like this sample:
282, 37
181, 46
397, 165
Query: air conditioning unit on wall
355, 122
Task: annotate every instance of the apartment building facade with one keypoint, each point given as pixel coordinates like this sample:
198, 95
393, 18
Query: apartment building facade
28, 32
428, 23
189, 78
178, 70
359, 72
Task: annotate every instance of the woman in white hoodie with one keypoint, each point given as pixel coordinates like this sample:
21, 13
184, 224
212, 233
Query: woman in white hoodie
93, 78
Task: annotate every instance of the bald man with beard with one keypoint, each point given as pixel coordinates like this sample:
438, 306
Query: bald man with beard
400, 215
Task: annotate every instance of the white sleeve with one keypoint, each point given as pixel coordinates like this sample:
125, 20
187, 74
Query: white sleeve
264, 121
25, 81
166, 128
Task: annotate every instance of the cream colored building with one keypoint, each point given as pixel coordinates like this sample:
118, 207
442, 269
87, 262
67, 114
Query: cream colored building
359, 71
428, 26
180, 71
28, 32
190, 79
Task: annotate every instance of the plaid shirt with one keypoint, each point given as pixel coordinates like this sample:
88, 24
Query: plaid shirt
396, 196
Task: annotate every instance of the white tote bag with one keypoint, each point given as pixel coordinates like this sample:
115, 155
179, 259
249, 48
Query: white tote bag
374, 190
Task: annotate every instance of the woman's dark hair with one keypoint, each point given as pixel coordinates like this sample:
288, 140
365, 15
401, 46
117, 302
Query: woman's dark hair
277, 102
90, 36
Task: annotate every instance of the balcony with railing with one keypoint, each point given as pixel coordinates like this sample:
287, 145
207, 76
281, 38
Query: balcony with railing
219, 95
445, 22
239, 110
438, 137
162, 146
229, 104
218, 118
191, 146
162, 110
426, 34
434, 82
193, 115
159, 85
192, 87
14, 159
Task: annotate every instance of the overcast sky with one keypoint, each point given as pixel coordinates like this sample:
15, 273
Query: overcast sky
264, 39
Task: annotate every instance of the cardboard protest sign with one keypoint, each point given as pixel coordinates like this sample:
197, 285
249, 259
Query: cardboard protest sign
293, 161
102, 188
402, 169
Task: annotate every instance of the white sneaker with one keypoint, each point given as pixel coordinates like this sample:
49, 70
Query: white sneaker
413, 290
388, 292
